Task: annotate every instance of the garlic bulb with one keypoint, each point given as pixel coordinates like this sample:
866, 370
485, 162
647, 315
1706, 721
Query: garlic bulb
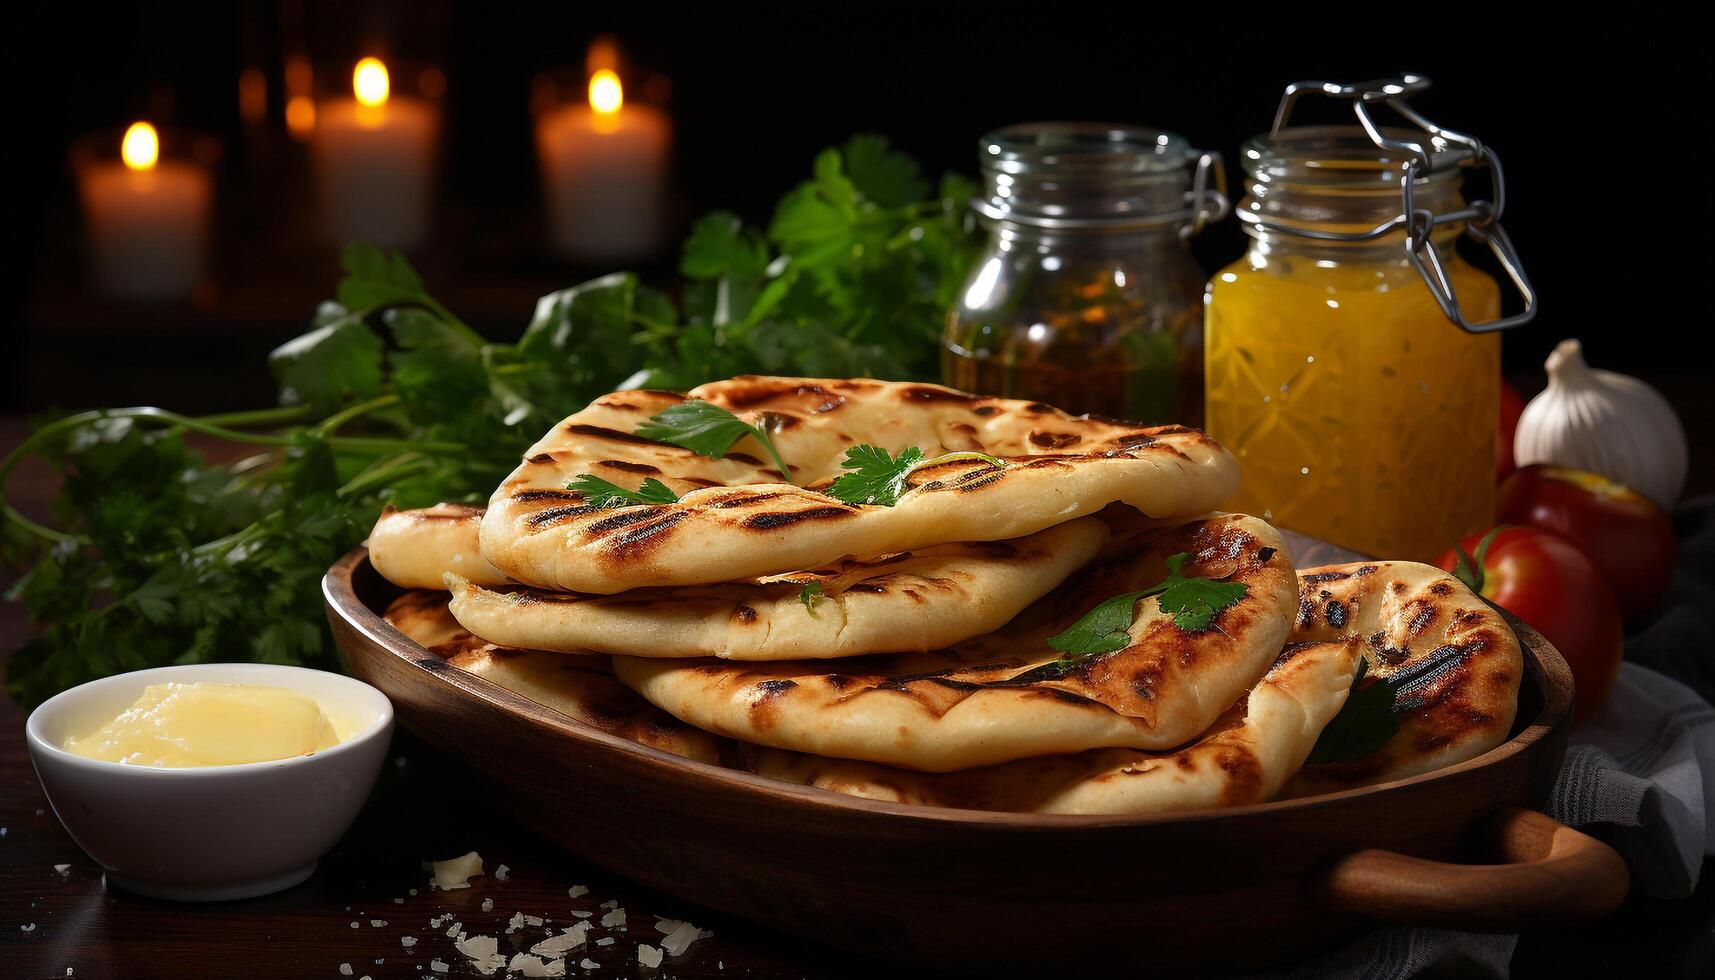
1606, 423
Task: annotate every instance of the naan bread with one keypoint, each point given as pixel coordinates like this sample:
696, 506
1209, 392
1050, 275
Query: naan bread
1002, 696
913, 601
736, 519
415, 549
1408, 616
1244, 757
583, 688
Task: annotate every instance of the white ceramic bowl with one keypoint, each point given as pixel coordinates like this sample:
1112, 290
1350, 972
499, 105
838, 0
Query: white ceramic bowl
217, 832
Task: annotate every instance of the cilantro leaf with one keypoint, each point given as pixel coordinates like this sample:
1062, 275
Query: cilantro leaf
875, 477
604, 494
1374, 707
720, 245
1194, 602
888, 178
878, 478
1103, 629
1365, 722
811, 594
374, 278
339, 361
707, 430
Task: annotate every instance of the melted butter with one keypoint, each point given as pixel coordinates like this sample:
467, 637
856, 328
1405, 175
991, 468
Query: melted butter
180, 726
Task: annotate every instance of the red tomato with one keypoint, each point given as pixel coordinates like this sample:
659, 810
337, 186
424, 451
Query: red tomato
1512, 406
1544, 579
1628, 536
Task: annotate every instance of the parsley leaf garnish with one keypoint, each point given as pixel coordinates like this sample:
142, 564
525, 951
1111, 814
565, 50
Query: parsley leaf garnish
1192, 601
1372, 712
602, 493
1195, 601
811, 594
707, 430
875, 477
878, 478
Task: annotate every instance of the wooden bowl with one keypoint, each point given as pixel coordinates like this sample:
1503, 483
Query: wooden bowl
1198, 892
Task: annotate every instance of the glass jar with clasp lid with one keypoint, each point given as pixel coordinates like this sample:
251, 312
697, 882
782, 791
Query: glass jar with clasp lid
1353, 356
1085, 295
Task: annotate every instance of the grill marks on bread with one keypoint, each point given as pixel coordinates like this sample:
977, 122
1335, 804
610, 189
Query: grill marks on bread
1060, 467
1459, 660
943, 710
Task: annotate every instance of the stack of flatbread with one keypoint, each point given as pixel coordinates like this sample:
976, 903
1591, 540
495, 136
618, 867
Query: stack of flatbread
1014, 632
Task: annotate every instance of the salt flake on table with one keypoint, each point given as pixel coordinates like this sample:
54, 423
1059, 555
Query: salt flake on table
29, 926
606, 941
354, 924
533, 920
345, 969
589, 964
407, 941
398, 901
526, 965
681, 938
488, 905
516, 922
377, 923
500, 873
562, 944
582, 915
484, 953
63, 869
649, 956
613, 919
577, 891
439, 965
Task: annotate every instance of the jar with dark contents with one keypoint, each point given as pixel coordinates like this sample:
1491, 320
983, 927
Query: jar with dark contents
1085, 295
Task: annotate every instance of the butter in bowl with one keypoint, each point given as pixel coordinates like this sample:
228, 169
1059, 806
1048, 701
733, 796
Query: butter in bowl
208, 782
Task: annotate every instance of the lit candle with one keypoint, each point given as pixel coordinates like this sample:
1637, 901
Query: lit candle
147, 219
604, 173
374, 160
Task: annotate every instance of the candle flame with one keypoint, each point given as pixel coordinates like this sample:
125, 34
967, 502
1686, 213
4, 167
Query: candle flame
141, 147
369, 80
606, 94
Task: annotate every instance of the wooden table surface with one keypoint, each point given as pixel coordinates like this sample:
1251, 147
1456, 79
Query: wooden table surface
60, 923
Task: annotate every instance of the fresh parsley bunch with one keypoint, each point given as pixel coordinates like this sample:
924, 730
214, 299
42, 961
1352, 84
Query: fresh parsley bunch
852, 278
156, 556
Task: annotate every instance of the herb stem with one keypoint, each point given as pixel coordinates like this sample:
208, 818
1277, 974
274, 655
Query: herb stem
282, 415
340, 418
376, 479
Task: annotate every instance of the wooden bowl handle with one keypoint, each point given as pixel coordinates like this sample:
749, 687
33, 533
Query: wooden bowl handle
1553, 875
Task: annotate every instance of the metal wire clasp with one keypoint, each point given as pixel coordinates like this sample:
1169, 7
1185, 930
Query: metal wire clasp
1444, 149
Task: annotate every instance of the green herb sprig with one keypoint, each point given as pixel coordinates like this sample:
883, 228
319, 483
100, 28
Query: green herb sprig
878, 478
707, 430
603, 494
156, 554
1374, 708
1194, 603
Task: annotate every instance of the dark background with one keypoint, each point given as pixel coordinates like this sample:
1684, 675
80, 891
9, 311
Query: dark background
1604, 128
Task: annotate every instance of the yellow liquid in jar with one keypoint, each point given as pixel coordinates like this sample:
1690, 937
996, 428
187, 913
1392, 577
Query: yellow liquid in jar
179, 726
1359, 413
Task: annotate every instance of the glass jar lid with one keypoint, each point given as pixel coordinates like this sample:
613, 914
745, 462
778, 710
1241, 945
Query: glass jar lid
1373, 157
1098, 176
